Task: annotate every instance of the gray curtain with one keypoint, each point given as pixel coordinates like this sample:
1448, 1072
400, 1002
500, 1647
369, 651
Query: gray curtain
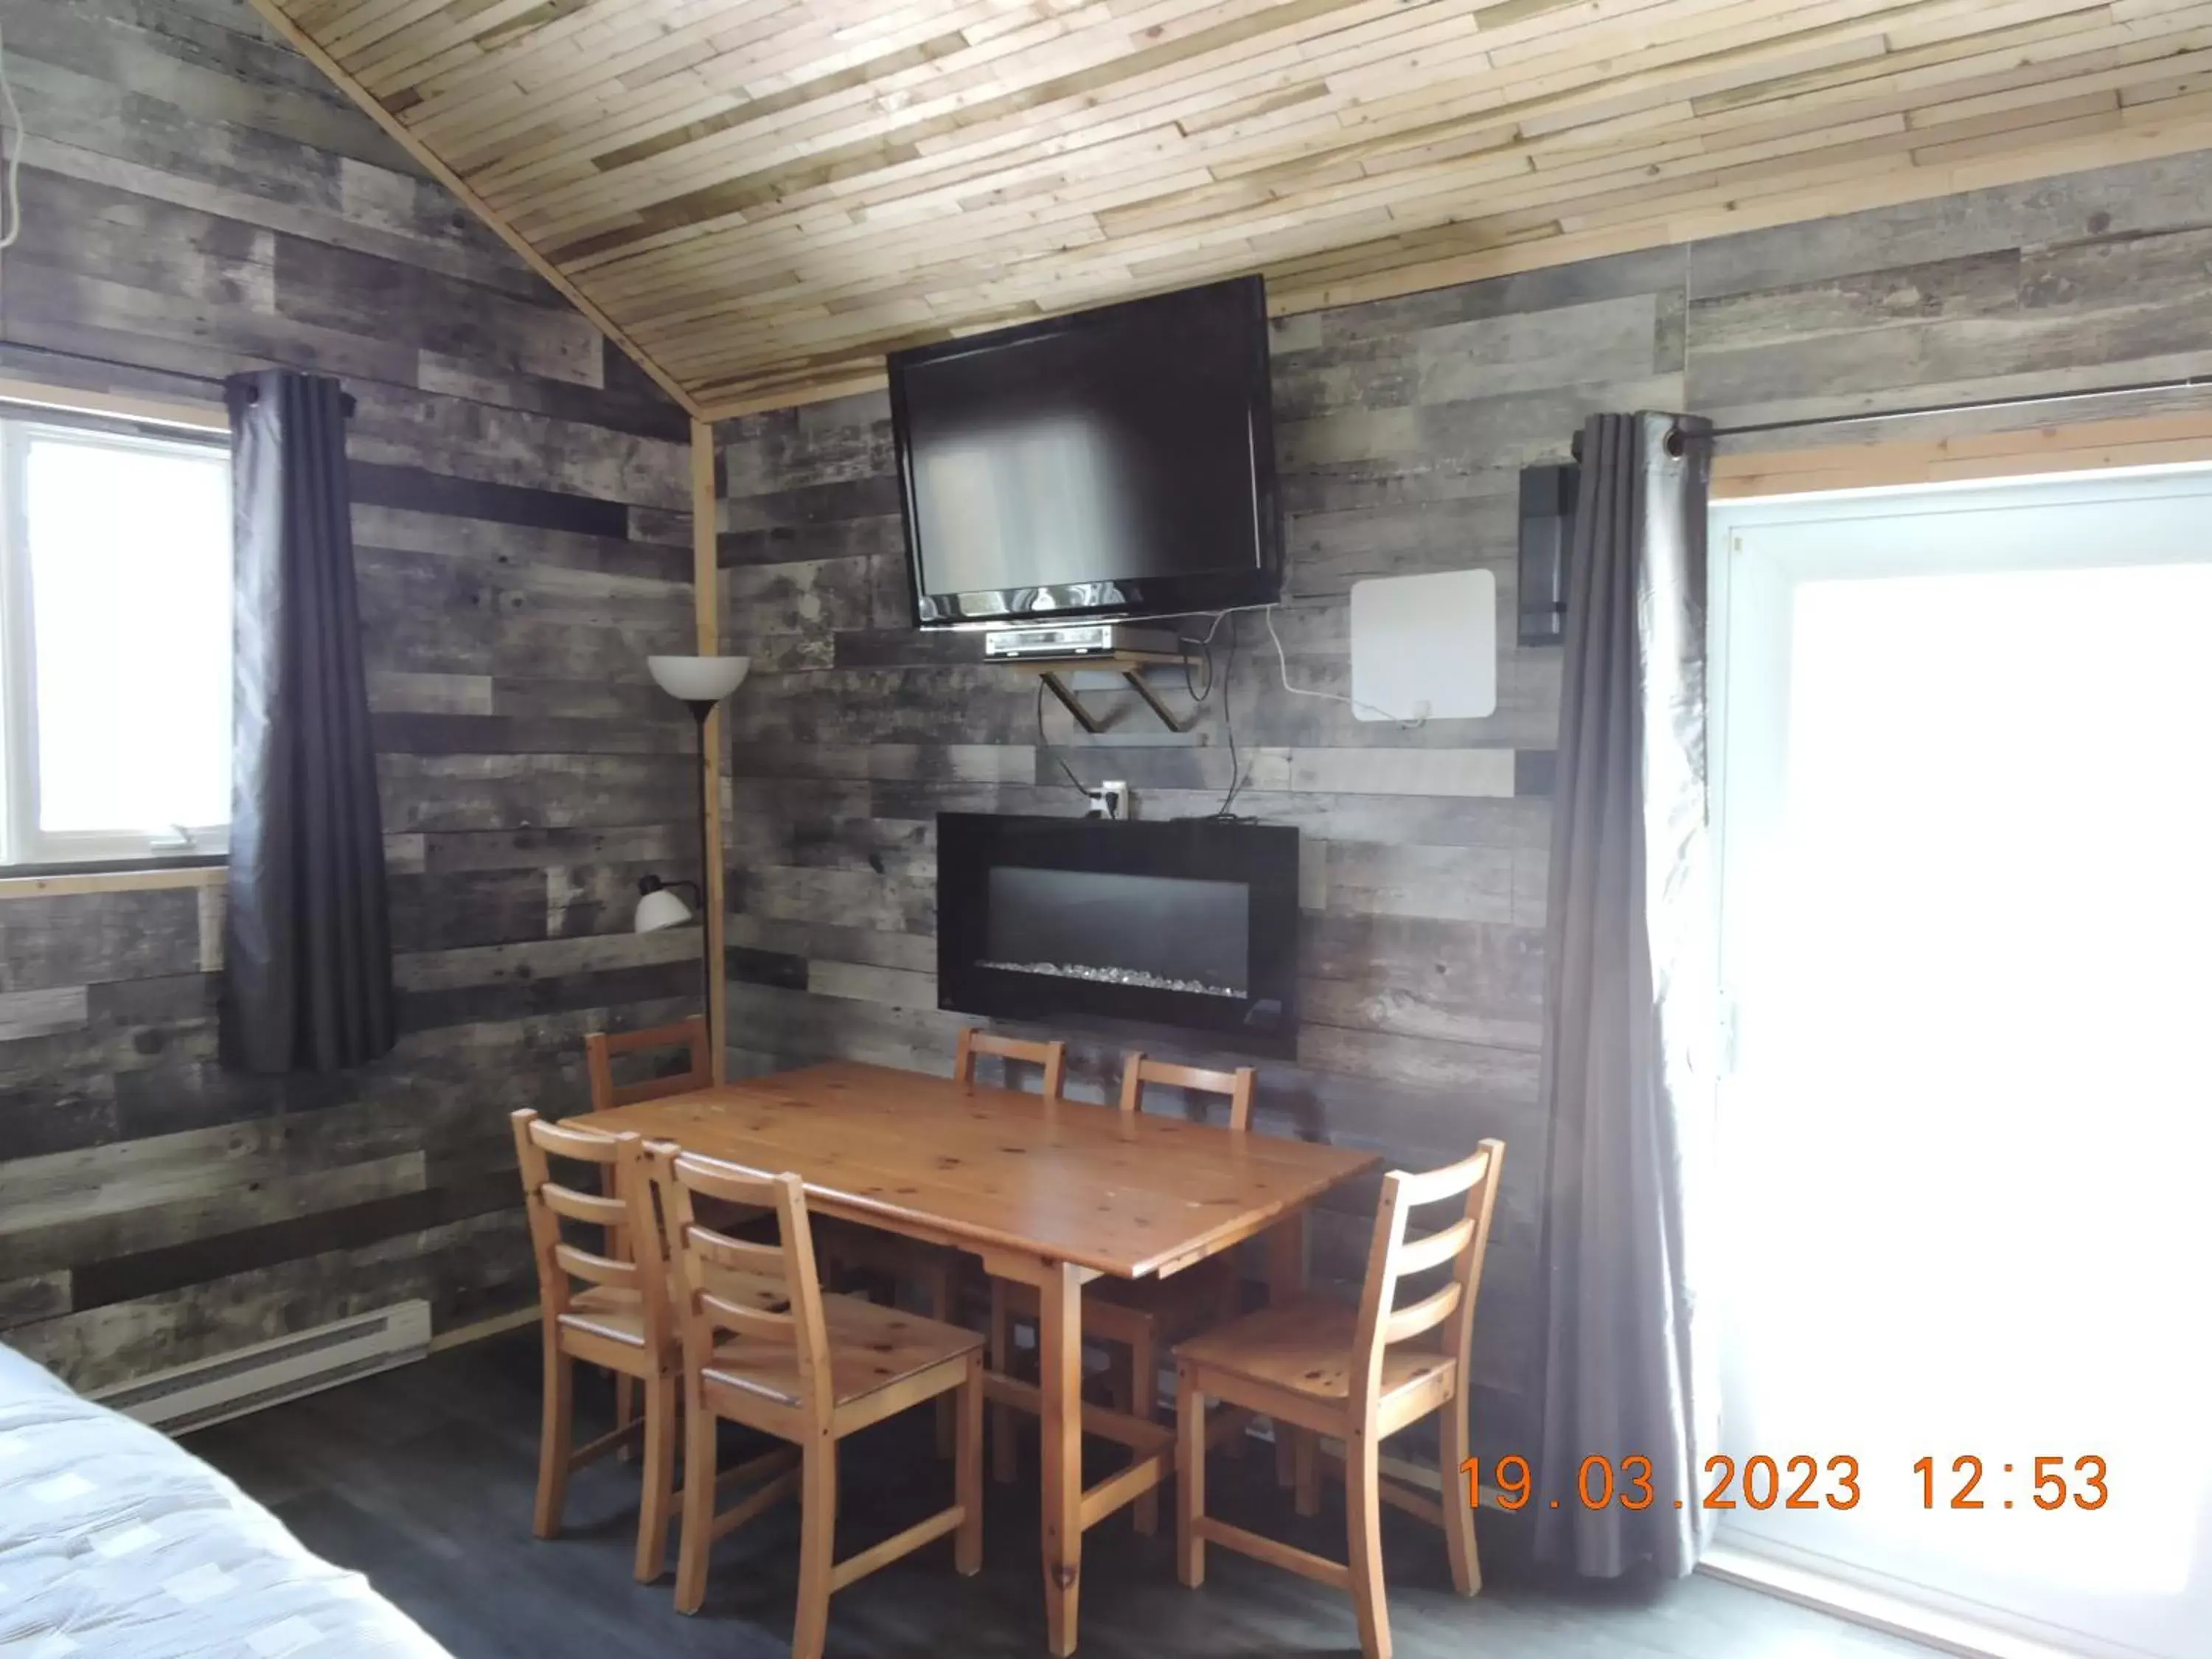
1626, 1078
306, 946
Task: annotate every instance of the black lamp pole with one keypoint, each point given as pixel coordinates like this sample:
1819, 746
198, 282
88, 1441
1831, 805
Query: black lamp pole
700, 684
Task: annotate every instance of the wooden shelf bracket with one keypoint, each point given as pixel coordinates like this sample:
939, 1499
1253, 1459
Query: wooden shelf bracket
1132, 669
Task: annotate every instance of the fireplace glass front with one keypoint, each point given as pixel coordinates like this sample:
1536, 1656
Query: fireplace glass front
1167, 932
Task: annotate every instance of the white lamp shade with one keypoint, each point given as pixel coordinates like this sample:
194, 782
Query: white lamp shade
699, 679
661, 908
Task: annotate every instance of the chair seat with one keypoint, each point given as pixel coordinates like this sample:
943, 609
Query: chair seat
604, 1310
1306, 1348
870, 1348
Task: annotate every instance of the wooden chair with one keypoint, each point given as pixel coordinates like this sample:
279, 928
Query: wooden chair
850, 1249
600, 1048
1361, 1374
1051, 1057
811, 1371
621, 1322
1139, 1317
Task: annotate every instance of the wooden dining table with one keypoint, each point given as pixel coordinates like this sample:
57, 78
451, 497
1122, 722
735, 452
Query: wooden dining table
1049, 1193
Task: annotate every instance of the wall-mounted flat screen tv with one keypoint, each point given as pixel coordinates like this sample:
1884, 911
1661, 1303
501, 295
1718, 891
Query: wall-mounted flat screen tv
1118, 462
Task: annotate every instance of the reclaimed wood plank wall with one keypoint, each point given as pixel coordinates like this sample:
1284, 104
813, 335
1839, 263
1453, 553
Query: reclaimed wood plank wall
198, 200
1402, 426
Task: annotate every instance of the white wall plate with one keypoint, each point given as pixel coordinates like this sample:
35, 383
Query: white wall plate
1425, 646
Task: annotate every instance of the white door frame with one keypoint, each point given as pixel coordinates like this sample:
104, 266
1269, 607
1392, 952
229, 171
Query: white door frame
1954, 1624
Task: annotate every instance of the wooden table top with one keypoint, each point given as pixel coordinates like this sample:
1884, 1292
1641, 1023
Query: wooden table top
1129, 1194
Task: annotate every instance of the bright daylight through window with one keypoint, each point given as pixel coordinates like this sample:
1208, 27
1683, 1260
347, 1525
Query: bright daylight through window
115, 620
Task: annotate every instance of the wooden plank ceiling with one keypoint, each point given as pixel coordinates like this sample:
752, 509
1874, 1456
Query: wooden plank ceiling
759, 197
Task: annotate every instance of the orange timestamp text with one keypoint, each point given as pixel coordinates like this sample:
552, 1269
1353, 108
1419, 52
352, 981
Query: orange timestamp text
1760, 1483
2051, 1491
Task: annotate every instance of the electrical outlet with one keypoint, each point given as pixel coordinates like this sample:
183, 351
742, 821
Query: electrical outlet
1109, 800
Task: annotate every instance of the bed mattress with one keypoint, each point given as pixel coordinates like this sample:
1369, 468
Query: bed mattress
117, 1543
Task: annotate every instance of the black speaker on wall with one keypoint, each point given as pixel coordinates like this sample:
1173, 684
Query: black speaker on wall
1547, 531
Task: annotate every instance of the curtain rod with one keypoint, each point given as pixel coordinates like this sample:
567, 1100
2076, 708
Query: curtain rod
1969, 406
345, 398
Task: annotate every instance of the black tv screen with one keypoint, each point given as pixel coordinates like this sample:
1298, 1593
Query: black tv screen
1118, 462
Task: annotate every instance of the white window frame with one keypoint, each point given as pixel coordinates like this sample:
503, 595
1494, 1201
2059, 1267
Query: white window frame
22, 843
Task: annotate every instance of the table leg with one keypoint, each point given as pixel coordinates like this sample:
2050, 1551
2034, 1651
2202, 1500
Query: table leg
1060, 1381
1286, 1281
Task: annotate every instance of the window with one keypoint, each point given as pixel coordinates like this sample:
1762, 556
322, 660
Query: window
115, 641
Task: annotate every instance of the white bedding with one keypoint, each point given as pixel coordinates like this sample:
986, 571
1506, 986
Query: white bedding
117, 1543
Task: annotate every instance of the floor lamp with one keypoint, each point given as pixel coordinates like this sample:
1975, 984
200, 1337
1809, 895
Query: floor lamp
700, 683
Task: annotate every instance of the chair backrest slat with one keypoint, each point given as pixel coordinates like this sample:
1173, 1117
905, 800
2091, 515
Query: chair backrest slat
1235, 1087
1391, 1258
633, 1259
711, 1177
577, 1145
736, 1255
1434, 1186
598, 1269
590, 1208
1052, 1056
1418, 1255
600, 1048
1426, 1315
703, 1257
762, 1292
727, 1315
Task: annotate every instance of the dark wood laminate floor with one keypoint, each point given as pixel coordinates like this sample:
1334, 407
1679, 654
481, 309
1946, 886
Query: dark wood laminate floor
421, 1479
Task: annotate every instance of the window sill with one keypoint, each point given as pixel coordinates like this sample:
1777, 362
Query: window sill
52, 880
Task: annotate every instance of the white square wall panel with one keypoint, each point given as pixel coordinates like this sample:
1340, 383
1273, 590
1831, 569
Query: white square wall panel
1425, 647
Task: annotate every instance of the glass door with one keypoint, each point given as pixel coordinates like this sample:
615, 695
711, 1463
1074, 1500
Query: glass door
1963, 738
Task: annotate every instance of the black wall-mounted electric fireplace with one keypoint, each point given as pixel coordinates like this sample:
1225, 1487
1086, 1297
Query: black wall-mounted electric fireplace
1188, 922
